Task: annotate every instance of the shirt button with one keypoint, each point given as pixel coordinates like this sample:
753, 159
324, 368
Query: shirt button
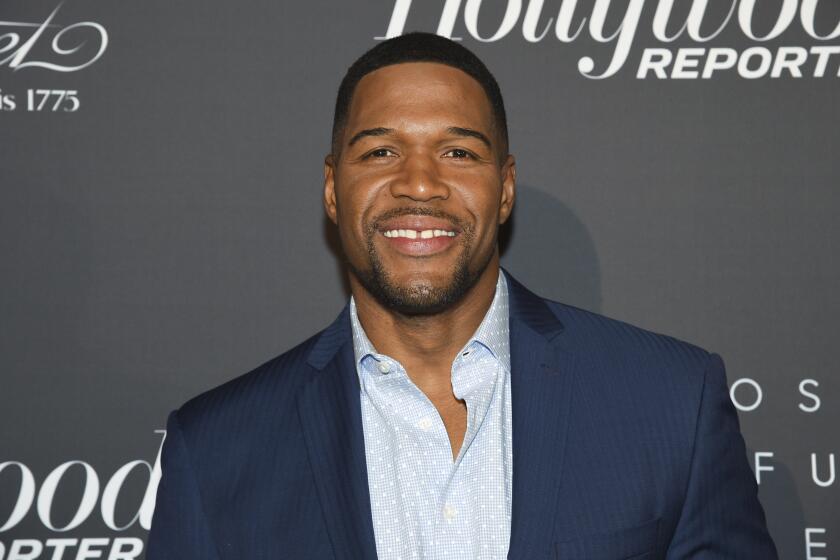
424, 423
449, 512
384, 367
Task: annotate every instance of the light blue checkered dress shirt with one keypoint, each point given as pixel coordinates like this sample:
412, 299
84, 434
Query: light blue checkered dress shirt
424, 504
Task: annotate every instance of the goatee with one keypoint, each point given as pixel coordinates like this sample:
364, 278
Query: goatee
420, 298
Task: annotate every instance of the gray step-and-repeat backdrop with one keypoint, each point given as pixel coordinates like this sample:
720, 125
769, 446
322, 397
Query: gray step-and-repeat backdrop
162, 230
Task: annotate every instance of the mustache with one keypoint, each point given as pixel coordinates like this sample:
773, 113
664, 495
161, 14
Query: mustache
418, 211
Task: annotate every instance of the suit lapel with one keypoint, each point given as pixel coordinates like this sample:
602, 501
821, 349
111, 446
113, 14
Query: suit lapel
541, 381
330, 413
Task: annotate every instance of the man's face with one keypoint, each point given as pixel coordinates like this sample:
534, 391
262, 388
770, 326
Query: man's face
419, 187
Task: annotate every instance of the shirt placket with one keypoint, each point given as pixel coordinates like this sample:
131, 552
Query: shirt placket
468, 382
417, 425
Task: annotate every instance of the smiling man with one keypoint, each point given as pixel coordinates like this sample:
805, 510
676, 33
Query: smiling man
448, 412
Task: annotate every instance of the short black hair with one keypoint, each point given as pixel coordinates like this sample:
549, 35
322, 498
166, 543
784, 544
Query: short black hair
418, 47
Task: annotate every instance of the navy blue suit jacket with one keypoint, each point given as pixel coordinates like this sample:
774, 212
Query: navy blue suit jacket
625, 446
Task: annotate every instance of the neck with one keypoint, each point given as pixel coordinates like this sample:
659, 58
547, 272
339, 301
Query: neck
428, 341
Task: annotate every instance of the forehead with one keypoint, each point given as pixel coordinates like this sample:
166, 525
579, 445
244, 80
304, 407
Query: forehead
419, 93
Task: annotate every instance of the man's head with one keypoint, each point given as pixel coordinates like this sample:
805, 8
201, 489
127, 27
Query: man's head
419, 178
419, 47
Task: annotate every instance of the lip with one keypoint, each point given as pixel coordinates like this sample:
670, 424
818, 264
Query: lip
418, 223
418, 247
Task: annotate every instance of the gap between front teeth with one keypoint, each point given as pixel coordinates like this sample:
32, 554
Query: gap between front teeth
414, 234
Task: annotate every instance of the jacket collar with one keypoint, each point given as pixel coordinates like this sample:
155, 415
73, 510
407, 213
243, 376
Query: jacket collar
526, 308
531, 310
542, 374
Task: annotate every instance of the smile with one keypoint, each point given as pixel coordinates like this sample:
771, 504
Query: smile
422, 243
418, 234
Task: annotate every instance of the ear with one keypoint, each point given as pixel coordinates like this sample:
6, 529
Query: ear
508, 188
329, 188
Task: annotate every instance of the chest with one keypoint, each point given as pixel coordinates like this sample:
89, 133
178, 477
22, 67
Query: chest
452, 412
439, 468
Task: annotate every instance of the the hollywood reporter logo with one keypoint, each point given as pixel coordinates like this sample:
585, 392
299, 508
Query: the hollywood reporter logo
43, 498
562, 20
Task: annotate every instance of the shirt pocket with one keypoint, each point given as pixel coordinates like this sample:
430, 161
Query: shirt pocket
634, 543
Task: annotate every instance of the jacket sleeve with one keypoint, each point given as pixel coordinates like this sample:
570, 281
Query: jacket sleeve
721, 517
179, 528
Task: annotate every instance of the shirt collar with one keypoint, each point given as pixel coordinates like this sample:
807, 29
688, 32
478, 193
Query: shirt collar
493, 333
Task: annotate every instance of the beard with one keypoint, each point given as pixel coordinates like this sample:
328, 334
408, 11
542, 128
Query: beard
419, 298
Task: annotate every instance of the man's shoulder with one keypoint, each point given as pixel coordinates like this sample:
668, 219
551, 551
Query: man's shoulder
263, 391
644, 378
624, 347
599, 339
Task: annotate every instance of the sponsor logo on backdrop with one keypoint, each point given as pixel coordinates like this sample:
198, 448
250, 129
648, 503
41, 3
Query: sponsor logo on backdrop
59, 47
564, 21
747, 395
38, 500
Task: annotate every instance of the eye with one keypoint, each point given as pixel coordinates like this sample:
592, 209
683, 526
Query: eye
380, 153
458, 153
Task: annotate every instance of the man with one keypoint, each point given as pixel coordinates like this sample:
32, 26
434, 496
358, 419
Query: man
448, 412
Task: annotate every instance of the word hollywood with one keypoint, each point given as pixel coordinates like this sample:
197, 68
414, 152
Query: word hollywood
17, 43
564, 23
85, 548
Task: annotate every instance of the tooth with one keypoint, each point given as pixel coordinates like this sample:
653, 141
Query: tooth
450, 233
387, 234
427, 234
411, 234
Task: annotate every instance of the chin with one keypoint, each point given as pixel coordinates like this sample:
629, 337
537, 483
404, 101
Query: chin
416, 293
425, 279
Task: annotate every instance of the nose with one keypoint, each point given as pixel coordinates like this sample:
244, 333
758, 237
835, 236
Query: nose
419, 180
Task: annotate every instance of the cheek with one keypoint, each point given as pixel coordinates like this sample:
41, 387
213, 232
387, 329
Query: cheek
481, 200
354, 206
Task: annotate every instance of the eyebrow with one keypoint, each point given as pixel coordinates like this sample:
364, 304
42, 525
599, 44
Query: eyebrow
460, 131
456, 130
378, 131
